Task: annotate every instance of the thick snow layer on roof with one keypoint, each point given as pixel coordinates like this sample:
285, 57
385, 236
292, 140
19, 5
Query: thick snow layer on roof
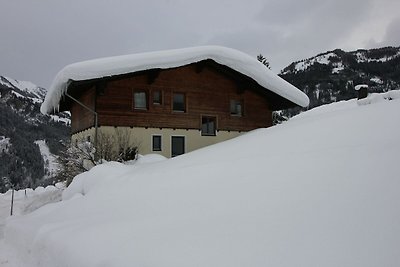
105, 67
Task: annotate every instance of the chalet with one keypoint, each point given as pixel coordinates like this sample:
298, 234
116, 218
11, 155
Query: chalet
171, 102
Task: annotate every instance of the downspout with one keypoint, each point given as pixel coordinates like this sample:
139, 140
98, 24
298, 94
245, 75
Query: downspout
91, 111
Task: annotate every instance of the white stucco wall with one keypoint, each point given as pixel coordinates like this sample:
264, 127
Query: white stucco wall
142, 137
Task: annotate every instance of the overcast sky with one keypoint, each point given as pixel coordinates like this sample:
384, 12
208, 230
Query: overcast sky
39, 37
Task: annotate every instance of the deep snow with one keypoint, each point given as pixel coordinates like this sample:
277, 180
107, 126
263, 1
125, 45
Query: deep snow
319, 190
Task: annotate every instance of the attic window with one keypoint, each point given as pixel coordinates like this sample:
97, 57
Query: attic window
140, 100
236, 107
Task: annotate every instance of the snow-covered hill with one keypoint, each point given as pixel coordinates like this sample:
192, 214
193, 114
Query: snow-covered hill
21, 124
332, 76
322, 189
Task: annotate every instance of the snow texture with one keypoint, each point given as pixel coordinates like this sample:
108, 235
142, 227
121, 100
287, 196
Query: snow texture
362, 57
51, 165
359, 86
231, 58
4, 144
319, 190
321, 59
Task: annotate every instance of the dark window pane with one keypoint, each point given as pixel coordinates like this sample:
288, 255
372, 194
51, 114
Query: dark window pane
236, 107
157, 97
177, 145
179, 102
140, 100
208, 125
156, 142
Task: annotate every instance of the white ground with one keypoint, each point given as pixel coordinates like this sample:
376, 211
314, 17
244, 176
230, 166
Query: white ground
320, 190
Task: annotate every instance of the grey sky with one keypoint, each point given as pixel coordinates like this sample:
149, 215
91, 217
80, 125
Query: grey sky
39, 37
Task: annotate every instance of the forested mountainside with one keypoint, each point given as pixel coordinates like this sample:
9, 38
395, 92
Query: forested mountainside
30, 142
332, 76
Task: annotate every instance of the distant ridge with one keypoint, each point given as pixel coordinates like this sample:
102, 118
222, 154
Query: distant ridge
331, 76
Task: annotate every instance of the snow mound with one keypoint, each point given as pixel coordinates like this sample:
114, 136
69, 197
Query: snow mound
110, 66
379, 97
319, 190
150, 158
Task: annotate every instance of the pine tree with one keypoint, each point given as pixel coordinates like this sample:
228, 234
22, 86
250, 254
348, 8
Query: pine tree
263, 60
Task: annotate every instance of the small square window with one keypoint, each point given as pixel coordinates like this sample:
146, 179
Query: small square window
157, 98
179, 103
156, 143
208, 125
140, 100
236, 108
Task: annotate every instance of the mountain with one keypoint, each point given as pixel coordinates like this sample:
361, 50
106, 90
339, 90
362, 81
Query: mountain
332, 76
30, 142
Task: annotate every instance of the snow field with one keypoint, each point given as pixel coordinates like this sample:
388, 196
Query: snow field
319, 190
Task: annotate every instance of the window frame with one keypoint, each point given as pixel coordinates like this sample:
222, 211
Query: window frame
236, 102
152, 143
209, 119
184, 102
184, 144
160, 100
145, 97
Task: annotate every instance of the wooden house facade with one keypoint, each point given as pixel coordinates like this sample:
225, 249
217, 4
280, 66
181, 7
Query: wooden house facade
171, 111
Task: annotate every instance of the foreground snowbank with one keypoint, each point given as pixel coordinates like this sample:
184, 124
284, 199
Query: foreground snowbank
319, 190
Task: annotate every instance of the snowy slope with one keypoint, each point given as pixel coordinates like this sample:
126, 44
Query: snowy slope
24, 89
319, 190
51, 165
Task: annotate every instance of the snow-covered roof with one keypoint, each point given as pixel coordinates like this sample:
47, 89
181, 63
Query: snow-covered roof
359, 86
106, 67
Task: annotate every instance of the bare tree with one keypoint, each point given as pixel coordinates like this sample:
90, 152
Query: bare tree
110, 147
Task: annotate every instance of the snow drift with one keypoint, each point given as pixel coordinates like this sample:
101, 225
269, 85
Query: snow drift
319, 190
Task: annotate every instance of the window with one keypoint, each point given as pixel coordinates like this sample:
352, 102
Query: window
177, 145
236, 108
156, 143
139, 100
208, 125
179, 104
157, 98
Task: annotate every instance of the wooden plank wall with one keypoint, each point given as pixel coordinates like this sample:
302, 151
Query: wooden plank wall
208, 92
81, 118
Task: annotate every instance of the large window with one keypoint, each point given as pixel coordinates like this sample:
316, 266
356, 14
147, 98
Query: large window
156, 143
236, 107
208, 125
140, 100
179, 102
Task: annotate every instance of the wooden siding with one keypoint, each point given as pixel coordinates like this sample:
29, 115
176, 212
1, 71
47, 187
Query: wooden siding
208, 89
81, 118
